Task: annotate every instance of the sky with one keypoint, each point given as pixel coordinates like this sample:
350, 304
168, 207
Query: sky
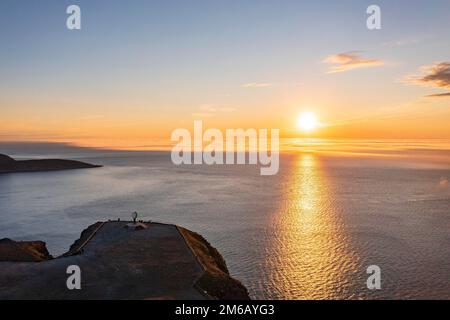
137, 70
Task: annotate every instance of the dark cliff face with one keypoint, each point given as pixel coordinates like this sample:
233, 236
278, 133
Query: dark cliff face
216, 280
6, 161
23, 251
8, 165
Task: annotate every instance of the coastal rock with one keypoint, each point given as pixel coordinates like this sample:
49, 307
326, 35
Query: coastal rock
216, 280
160, 261
9, 165
23, 251
86, 234
6, 160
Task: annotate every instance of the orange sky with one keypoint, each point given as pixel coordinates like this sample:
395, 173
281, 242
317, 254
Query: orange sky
107, 86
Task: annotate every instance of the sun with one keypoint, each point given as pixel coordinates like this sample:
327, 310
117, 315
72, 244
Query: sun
307, 121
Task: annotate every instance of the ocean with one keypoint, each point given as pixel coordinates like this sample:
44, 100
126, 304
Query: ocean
309, 232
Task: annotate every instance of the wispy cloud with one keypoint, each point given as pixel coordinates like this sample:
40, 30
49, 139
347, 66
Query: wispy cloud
210, 110
208, 107
438, 95
202, 115
436, 75
402, 42
256, 85
350, 60
443, 182
227, 109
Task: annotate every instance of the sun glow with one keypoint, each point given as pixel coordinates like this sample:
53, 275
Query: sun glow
307, 121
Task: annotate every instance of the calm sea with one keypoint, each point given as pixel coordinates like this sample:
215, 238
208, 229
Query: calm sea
309, 232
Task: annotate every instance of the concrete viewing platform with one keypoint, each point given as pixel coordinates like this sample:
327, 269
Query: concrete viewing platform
154, 261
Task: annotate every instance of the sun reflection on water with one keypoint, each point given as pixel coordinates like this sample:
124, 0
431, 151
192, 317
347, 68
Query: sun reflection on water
310, 255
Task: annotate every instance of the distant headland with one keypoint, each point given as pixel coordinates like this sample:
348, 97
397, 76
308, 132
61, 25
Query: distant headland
120, 260
8, 165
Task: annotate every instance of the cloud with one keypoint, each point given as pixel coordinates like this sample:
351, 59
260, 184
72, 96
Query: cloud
210, 110
256, 85
226, 109
202, 115
443, 182
438, 95
402, 42
348, 61
436, 75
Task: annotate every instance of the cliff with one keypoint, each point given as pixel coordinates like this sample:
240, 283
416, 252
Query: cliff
120, 260
8, 165
23, 251
216, 280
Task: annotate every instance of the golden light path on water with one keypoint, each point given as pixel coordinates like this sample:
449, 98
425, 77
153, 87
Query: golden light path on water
310, 253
